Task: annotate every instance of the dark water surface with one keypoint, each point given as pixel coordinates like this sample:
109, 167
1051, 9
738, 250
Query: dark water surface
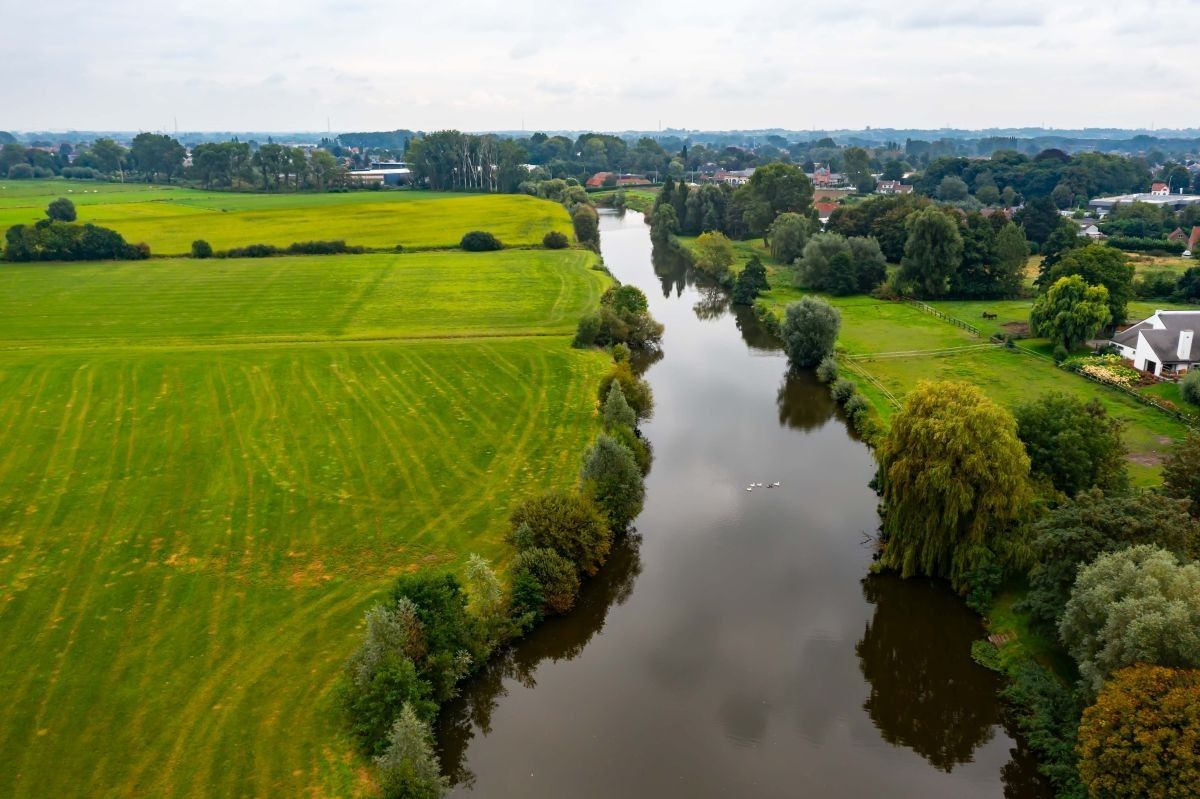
735, 646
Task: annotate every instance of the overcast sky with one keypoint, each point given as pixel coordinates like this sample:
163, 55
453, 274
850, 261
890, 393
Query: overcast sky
622, 64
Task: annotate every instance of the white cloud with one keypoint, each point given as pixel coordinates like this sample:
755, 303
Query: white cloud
487, 64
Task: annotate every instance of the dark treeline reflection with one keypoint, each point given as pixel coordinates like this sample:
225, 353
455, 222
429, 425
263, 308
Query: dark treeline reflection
673, 270
558, 638
925, 689
804, 402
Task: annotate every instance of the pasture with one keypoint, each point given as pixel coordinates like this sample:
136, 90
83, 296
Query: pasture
896, 345
432, 294
170, 218
205, 480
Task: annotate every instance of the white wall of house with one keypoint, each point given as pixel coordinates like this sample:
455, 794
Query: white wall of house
1145, 354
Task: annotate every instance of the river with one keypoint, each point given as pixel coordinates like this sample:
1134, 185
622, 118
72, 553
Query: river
735, 646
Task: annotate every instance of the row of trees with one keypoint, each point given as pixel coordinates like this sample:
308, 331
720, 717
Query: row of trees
58, 238
435, 629
974, 494
1011, 177
747, 211
449, 160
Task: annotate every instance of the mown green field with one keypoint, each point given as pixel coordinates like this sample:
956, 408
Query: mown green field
195, 514
298, 298
170, 218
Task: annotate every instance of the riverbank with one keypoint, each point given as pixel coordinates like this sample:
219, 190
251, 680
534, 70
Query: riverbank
892, 345
736, 644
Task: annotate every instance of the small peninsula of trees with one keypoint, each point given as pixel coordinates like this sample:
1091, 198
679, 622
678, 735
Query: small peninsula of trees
623, 318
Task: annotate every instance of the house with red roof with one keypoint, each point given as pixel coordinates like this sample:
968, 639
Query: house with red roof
824, 211
597, 180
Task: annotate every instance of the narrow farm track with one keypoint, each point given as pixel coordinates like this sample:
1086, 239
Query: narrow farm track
196, 512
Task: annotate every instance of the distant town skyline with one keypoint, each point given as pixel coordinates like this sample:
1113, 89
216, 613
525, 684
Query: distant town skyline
368, 65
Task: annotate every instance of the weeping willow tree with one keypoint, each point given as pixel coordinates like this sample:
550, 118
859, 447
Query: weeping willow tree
954, 475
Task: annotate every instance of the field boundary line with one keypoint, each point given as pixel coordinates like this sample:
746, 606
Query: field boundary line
929, 309
870, 378
917, 353
167, 345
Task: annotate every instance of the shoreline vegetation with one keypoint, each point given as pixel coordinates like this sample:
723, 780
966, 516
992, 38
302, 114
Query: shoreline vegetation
435, 630
1001, 515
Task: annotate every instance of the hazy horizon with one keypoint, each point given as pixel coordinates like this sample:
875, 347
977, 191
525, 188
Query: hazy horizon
314, 64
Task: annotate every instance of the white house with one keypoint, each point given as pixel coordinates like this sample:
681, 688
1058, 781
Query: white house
1164, 344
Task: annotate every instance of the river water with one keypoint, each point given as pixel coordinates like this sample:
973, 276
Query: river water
735, 646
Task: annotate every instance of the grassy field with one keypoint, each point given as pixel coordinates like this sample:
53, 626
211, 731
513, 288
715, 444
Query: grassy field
170, 218
195, 513
297, 298
894, 345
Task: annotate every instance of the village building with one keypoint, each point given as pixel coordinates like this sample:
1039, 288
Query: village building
1188, 240
893, 187
824, 211
1165, 344
1176, 202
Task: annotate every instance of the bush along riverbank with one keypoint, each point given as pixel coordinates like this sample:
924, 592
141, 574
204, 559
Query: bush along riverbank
436, 628
1090, 588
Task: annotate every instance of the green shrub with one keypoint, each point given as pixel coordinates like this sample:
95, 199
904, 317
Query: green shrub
1047, 715
20, 172
480, 241
568, 523
201, 249
555, 240
544, 582
986, 654
1155, 284
251, 251
48, 240
61, 210
827, 371
612, 478
1060, 353
323, 248
617, 411
856, 407
1189, 387
636, 390
843, 390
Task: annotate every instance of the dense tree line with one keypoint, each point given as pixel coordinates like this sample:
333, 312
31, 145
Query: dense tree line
973, 495
1011, 177
449, 160
435, 628
58, 238
748, 211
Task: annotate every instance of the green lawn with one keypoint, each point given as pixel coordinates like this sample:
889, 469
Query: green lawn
1011, 378
296, 298
191, 530
170, 218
